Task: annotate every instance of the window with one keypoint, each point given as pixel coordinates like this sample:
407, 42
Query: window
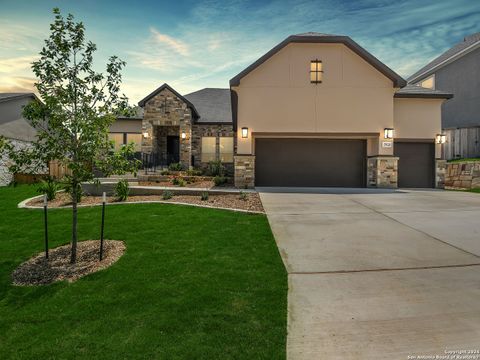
316, 71
117, 138
137, 139
428, 83
208, 149
226, 149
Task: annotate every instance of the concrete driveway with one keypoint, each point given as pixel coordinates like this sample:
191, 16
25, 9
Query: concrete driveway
378, 274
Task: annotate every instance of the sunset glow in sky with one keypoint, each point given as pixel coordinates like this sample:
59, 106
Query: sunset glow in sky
197, 44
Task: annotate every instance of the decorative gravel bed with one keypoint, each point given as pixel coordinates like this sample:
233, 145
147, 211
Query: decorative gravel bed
229, 201
38, 271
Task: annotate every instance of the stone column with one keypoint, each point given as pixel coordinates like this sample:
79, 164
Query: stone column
382, 172
186, 146
244, 171
440, 172
147, 142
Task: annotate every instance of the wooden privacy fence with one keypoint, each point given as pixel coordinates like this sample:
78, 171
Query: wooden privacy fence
57, 170
462, 143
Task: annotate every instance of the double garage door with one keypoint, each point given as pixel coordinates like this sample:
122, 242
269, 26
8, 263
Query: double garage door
304, 162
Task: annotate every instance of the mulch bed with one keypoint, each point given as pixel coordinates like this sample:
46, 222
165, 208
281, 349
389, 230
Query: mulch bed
229, 201
38, 271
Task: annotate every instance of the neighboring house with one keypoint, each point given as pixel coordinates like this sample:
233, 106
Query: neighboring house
457, 71
14, 127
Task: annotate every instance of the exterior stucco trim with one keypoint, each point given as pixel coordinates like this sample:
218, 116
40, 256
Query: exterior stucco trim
397, 80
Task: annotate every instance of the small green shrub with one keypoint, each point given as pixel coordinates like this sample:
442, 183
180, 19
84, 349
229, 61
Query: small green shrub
204, 196
122, 190
178, 181
165, 172
167, 194
243, 196
49, 187
216, 168
175, 167
194, 172
219, 180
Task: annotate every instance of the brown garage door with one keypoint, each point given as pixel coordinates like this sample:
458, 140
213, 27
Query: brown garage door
310, 162
416, 164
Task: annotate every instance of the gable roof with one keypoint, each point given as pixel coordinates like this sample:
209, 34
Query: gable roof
416, 91
142, 102
213, 105
12, 123
468, 44
13, 96
313, 37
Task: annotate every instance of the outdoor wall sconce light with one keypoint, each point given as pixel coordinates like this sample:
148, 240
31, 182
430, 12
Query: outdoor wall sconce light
145, 135
388, 133
244, 132
184, 135
441, 138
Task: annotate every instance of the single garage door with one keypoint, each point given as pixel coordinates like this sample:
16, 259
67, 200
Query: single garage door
416, 164
310, 162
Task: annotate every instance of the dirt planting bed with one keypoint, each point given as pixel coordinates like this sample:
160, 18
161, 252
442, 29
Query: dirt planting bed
39, 271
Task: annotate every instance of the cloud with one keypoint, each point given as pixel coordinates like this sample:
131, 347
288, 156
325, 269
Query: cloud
16, 84
175, 44
16, 64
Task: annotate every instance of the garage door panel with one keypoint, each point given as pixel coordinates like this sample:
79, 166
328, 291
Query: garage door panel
310, 162
416, 164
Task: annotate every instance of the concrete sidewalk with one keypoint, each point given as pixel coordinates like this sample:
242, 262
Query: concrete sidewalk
378, 274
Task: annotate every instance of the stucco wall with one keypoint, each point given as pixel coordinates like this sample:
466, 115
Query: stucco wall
462, 78
418, 119
126, 126
278, 97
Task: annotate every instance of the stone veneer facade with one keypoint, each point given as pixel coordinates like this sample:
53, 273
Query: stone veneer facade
214, 130
440, 172
244, 171
382, 172
463, 175
166, 114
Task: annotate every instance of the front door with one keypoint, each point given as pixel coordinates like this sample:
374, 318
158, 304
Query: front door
173, 149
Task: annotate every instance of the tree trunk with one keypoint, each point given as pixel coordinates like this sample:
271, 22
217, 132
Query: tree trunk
73, 257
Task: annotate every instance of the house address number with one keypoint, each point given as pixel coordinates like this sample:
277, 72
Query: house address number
387, 144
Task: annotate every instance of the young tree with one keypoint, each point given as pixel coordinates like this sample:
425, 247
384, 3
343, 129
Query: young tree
78, 105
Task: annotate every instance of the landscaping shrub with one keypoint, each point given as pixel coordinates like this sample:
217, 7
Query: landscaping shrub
175, 167
165, 172
167, 194
178, 181
49, 187
204, 196
194, 172
219, 180
216, 168
243, 196
122, 190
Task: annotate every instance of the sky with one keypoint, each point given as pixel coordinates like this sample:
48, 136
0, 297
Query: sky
196, 44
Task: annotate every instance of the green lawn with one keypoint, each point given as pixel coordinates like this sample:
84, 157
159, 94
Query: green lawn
193, 284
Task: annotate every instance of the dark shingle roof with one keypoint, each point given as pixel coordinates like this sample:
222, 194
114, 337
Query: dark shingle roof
213, 105
416, 91
469, 43
312, 37
11, 96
